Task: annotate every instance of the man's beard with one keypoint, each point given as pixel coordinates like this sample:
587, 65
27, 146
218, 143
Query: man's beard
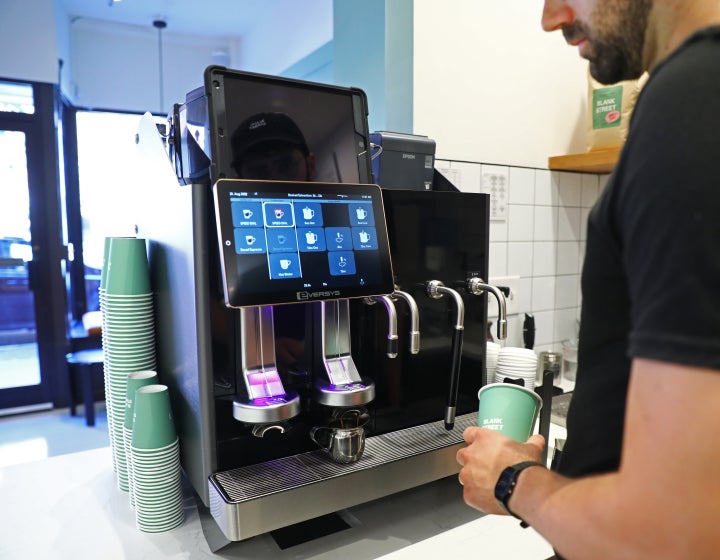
614, 54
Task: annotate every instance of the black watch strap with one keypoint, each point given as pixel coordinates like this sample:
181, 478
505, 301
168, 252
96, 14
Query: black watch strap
507, 481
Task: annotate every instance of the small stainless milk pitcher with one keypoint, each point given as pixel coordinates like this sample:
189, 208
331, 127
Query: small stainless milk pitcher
344, 438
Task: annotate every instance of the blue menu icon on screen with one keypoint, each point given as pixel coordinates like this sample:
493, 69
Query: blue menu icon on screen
284, 265
342, 263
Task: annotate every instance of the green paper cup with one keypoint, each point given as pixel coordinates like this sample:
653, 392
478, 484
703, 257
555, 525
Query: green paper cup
509, 409
153, 425
134, 382
127, 267
106, 254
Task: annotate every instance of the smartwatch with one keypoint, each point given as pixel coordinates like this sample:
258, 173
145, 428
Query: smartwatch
507, 481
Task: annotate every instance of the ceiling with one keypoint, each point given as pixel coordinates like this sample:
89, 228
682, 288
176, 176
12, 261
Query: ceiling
199, 17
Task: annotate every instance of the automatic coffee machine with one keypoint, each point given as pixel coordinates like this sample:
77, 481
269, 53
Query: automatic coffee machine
257, 357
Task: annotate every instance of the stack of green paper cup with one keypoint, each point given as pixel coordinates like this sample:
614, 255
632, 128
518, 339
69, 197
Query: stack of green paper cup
128, 334
101, 298
134, 382
155, 462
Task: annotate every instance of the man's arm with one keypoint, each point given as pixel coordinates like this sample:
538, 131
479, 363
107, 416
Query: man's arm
664, 502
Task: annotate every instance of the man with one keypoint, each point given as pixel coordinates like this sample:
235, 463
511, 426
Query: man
639, 475
271, 146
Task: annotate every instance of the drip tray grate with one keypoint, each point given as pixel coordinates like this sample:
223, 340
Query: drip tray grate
280, 475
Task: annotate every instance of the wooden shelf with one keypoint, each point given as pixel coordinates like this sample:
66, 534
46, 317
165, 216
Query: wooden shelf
597, 161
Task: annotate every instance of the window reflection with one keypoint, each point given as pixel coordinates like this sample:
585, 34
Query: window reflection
16, 98
109, 187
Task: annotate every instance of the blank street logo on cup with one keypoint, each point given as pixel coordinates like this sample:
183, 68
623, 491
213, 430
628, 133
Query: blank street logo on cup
493, 424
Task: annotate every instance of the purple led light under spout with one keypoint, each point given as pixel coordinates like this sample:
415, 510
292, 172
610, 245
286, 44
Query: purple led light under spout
270, 401
265, 384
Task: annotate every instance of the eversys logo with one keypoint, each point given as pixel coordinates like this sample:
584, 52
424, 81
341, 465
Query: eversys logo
305, 296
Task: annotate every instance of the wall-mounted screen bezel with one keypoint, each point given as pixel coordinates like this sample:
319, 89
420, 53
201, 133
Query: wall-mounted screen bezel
332, 118
287, 242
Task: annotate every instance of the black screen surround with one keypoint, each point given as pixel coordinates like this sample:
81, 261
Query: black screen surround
333, 120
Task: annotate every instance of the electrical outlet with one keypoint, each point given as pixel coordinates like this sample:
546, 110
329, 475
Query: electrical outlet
495, 183
512, 300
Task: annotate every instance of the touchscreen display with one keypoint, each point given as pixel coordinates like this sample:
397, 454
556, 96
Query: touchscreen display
293, 242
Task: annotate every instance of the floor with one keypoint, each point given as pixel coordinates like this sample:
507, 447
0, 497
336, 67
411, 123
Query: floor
38, 435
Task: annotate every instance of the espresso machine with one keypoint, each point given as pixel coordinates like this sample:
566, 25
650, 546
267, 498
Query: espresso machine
263, 346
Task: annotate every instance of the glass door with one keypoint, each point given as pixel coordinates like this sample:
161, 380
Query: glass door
19, 355
30, 354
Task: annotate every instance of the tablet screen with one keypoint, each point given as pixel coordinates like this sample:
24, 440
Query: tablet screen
294, 242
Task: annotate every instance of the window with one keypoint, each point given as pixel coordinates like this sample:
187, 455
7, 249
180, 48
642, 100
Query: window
109, 184
16, 98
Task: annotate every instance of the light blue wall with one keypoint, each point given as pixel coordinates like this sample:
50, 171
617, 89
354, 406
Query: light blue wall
399, 61
372, 48
359, 52
315, 67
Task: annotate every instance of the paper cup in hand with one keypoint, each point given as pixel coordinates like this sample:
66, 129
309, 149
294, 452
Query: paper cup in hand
153, 425
509, 409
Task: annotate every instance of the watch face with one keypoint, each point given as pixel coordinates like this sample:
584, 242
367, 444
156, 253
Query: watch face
504, 484
507, 481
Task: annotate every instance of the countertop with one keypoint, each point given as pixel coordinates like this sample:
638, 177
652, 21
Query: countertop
69, 506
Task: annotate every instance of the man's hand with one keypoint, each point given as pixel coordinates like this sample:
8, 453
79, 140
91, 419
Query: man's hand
488, 453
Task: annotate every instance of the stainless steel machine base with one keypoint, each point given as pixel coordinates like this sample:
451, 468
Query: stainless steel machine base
253, 500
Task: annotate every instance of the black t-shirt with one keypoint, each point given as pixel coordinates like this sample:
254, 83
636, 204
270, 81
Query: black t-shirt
651, 277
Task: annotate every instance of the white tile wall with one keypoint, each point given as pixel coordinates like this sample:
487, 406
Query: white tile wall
542, 241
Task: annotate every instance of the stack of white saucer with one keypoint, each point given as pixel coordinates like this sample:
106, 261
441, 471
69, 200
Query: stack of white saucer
516, 364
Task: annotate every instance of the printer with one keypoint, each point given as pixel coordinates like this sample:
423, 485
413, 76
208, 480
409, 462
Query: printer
403, 161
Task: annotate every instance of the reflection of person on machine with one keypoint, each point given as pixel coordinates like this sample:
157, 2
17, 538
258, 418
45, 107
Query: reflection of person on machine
271, 146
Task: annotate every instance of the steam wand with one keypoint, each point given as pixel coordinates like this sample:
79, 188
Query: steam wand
477, 287
436, 289
392, 337
414, 319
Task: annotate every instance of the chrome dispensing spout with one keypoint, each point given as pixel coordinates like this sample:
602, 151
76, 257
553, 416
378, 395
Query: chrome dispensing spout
267, 402
392, 336
477, 287
343, 386
414, 319
436, 289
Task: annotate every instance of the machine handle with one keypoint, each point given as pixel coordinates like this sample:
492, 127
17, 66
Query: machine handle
546, 410
314, 430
